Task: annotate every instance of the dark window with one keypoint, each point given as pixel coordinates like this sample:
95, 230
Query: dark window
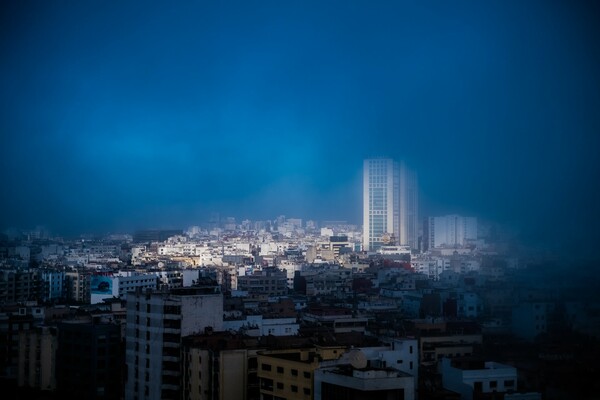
478, 387
307, 375
171, 337
172, 323
252, 363
266, 384
294, 389
306, 391
509, 383
265, 367
171, 351
280, 370
493, 384
294, 372
279, 385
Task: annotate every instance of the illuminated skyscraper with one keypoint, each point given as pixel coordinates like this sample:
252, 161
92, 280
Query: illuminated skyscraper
390, 204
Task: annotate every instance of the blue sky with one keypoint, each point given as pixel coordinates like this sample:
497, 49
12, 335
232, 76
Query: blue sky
116, 115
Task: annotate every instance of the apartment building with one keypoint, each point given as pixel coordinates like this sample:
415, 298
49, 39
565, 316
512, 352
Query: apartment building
156, 323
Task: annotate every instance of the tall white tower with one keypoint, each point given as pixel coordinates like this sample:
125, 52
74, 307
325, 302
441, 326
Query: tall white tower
409, 208
390, 204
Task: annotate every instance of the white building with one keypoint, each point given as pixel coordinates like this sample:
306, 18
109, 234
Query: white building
256, 325
409, 207
370, 372
400, 354
394, 250
53, 284
473, 377
390, 204
350, 383
130, 282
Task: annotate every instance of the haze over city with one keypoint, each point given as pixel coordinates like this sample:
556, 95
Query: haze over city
299, 200
122, 116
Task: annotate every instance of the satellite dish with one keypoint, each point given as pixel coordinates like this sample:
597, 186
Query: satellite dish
357, 359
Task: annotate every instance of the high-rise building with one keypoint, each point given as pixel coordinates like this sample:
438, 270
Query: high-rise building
390, 204
450, 231
409, 208
156, 324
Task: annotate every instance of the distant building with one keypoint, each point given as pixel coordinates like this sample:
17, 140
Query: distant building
269, 281
450, 231
390, 204
18, 286
155, 235
257, 325
77, 286
52, 285
105, 286
337, 320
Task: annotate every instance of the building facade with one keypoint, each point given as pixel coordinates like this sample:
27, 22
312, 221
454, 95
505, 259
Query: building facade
472, 379
156, 323
89, 360
269, 281
390, 204
219, 366
37, 358
288, 374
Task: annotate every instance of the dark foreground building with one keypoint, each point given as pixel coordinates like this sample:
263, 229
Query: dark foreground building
89, 360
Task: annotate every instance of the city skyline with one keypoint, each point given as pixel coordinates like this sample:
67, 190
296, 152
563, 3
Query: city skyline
115, 117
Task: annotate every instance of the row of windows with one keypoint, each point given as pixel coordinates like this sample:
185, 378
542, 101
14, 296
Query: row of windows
281, 370
267, 384
478, 386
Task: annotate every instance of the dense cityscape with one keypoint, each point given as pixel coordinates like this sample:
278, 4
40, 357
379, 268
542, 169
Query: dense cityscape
299, 200
402, 307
